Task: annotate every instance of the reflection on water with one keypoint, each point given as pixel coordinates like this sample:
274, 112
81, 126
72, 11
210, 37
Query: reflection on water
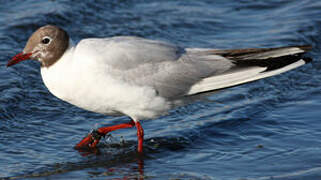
130, 171
128, 165
113, 158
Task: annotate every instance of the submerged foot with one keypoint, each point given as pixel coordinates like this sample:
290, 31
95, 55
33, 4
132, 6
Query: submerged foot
90, 141
93, 138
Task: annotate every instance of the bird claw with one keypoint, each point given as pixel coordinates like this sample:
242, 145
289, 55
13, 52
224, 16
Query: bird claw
90, 141
96, 135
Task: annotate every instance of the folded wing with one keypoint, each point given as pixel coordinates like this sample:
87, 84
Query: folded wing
173, 72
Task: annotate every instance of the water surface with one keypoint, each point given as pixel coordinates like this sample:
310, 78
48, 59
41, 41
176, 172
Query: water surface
267, 129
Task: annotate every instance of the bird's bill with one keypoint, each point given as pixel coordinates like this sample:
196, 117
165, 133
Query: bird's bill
18, 58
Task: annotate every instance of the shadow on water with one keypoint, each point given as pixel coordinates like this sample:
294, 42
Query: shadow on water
116, 160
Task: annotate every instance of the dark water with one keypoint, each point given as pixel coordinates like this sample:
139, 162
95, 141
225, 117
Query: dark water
267, 129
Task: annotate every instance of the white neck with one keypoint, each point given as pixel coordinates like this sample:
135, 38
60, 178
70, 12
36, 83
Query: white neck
58, 74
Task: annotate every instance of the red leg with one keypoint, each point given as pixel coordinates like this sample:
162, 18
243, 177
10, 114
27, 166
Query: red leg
93, 138
140, 136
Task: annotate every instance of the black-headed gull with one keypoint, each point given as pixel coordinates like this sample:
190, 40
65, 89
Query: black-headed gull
143, 78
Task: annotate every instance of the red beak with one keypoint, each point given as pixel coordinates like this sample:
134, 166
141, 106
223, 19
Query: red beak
18, 58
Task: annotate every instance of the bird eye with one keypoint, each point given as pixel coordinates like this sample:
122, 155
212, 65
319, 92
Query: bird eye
45, 40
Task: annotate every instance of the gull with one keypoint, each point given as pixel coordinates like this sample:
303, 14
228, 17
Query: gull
142, 78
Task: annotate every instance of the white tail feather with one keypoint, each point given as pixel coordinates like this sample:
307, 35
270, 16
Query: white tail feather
238, 77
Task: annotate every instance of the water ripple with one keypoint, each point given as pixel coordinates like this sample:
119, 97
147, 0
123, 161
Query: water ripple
266, 129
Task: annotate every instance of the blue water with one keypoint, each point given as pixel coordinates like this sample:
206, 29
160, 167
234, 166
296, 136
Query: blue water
267, 129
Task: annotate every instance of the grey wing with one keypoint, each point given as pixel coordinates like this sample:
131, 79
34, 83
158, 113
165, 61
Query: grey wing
173, 79
170, 70
174, 73
203, 70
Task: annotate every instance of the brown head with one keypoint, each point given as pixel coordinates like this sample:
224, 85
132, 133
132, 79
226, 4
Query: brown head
46, 45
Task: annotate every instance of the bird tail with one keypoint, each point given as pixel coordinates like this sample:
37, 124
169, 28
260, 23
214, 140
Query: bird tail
251, 65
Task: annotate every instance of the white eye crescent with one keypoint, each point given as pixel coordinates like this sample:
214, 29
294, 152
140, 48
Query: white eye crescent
46, 40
